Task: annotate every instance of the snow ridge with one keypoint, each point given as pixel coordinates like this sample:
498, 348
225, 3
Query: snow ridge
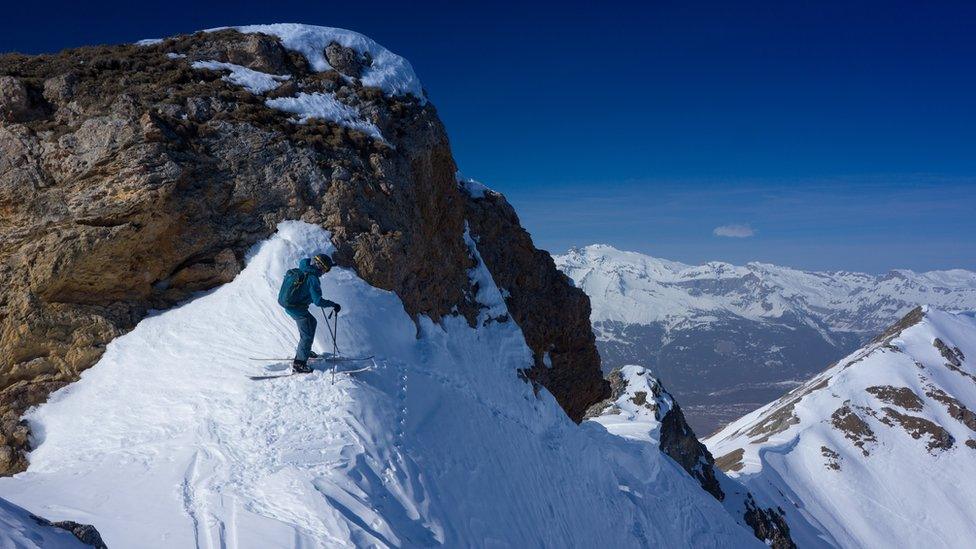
440, 444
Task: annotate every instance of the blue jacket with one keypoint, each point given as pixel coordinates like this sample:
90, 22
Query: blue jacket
313, 288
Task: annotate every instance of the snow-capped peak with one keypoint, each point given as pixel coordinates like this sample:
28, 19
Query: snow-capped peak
890, 427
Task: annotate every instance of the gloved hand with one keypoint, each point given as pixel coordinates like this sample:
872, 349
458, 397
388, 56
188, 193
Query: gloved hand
336, 307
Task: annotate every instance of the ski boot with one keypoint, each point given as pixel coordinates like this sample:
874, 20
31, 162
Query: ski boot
300, 367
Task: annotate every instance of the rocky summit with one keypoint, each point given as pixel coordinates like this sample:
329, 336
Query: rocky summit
133, 177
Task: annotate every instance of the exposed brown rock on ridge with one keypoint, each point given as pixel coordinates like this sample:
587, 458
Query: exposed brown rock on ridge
854, 428
129, 180
899, 396
917, 427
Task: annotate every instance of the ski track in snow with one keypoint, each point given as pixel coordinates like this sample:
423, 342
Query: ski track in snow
167, 443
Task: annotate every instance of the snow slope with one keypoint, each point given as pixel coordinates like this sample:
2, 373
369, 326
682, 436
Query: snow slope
20, 530
879, 450
167, 443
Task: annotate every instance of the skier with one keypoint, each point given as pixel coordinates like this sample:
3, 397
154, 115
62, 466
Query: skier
299, 289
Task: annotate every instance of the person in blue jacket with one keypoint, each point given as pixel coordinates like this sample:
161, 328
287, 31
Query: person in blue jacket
299, 289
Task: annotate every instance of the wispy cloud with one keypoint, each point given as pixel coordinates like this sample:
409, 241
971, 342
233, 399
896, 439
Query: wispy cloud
734, 230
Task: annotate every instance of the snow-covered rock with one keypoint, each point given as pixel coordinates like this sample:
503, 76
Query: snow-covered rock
639, 408
474, 188
726, 338
19, 529
441, 443
325, 106
879, 450
251, 80
383, 69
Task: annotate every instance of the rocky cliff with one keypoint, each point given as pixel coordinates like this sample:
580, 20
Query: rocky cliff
134, 176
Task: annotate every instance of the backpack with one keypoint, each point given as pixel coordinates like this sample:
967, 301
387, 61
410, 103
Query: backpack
293, 292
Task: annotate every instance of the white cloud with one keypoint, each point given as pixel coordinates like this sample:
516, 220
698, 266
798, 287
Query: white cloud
734, 230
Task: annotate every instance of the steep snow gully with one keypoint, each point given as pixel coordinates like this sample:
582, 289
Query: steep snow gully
167, 443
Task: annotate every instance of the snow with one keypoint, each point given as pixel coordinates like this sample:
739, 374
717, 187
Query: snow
902, 494
165, 442
475, 189
149, 41
326, 107
489, 296
253, 81
635, 421
172, 55
388, 71
633, 288
20, 530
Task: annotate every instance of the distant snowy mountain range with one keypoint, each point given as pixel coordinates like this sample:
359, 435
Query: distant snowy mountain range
877, 451
725, 338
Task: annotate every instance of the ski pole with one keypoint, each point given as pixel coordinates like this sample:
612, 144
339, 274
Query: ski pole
335, 344
332, 333
335, 334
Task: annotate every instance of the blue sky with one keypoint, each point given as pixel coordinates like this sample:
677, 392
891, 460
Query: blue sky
842, 134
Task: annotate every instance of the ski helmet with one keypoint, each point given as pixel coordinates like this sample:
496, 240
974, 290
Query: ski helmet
322, 262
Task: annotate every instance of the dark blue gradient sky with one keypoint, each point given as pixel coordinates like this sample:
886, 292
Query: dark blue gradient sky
843, 133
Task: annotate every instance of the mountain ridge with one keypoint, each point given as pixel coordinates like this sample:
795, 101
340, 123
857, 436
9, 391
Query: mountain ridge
846, 452
726, 339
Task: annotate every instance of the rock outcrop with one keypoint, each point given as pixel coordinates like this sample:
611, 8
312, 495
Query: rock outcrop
129, 180
86, 533
639, 397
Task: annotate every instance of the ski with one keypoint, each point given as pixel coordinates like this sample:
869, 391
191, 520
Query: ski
356, 371
318, 359
345, 358
259, 378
